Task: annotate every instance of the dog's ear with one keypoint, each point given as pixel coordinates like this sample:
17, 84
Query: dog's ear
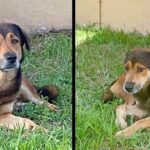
22, 35
25, 40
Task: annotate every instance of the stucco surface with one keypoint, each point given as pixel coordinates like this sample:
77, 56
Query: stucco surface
37, 13
87, 12
127, 14
118, 14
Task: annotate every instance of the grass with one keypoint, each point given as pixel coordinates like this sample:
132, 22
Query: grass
99, 61
48, 62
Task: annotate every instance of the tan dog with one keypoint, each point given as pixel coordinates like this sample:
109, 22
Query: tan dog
134, 87
13, 86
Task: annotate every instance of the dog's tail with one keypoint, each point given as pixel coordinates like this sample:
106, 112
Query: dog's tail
49, 91
108, 95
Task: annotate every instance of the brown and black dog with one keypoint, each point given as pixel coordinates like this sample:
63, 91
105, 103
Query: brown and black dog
134, 87
13, 86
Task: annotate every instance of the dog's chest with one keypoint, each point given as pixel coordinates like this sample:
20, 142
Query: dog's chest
10, 86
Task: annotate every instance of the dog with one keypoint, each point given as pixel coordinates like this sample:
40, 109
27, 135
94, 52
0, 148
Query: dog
14, 87
134, 87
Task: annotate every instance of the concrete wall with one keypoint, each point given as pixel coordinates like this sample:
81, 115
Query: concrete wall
87, 11
119, 14
36, 13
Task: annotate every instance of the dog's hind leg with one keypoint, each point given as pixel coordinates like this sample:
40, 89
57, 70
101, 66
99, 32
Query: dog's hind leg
29, 92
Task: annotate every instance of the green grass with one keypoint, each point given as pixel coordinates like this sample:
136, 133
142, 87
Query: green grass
48, 62
99, 60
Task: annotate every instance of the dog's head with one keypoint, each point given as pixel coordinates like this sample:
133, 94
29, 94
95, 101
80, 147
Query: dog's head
12, 41
137, 68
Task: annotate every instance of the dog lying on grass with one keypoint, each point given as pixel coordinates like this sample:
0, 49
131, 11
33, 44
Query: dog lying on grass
134, 87
13, 86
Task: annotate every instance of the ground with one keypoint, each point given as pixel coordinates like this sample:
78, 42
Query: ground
48, 62
100, 57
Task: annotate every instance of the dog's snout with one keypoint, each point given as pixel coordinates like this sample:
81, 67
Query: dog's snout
129, 86
11, 57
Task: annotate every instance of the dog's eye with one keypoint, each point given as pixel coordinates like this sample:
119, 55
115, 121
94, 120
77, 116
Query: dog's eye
140, 69
14, 41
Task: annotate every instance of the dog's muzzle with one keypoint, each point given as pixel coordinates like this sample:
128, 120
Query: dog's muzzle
129, 86
10, 61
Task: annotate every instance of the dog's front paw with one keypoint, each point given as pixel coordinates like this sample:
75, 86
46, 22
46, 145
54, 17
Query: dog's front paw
124, 133
119, 134
121, 123
28, 124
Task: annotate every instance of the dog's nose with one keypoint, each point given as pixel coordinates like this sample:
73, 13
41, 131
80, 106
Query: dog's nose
129, 86
11, 57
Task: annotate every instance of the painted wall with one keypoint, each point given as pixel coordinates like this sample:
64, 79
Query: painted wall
119, 14
37, 13
87, 12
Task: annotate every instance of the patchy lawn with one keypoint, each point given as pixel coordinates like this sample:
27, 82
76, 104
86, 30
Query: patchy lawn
48, 62
99, 61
